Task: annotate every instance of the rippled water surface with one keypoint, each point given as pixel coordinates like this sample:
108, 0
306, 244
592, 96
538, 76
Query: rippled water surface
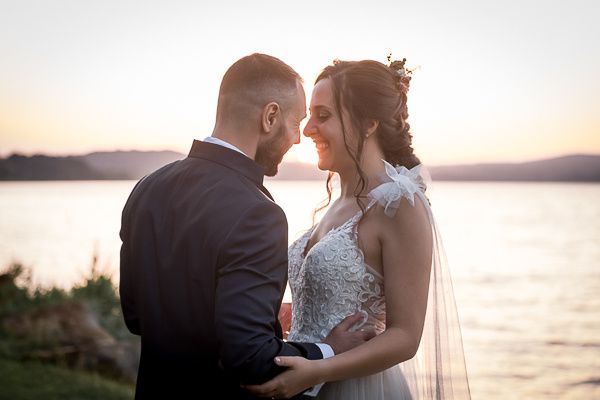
525, 260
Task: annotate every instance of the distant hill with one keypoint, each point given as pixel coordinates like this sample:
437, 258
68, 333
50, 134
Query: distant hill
129, 164
42, 168
103, 165
135, 164
579, 168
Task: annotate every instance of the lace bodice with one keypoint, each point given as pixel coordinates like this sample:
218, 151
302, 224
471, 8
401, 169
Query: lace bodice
332, 282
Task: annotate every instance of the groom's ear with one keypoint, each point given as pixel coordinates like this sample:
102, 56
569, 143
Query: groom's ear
270, 116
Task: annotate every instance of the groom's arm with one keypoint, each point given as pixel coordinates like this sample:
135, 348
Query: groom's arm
127, 269
250, 283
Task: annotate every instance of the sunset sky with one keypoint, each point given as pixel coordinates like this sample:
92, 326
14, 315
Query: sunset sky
496, 81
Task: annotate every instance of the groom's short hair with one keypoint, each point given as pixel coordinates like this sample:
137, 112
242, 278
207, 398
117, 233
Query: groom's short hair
254, 81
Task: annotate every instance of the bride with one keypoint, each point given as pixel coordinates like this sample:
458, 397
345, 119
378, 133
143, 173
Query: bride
377, 251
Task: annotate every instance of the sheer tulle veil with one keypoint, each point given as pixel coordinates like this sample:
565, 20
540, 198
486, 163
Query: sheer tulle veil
438, 370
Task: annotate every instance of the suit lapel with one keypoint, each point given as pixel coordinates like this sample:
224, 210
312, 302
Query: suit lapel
266, 192
231, 159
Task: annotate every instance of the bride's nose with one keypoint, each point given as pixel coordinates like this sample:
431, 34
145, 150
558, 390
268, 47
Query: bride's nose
309, 129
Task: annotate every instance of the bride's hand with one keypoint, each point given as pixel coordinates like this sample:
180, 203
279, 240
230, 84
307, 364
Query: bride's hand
301, 374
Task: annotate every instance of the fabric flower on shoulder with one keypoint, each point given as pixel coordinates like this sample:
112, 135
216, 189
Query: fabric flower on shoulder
402, 182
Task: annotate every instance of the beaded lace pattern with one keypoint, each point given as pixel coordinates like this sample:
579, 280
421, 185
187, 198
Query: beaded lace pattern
332, 281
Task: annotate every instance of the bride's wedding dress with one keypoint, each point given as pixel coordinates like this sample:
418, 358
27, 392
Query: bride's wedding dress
332, 281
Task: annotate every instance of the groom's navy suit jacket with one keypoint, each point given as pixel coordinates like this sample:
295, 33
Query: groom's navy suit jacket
203, 271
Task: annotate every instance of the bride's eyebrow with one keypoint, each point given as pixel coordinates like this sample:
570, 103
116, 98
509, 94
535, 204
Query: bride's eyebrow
318, 108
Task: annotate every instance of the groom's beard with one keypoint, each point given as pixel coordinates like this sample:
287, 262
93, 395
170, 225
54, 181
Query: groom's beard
270, 153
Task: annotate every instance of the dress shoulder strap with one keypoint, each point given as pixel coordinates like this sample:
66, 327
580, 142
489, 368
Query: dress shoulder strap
399, 182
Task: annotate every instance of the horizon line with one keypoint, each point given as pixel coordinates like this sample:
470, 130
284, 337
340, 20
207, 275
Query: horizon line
83, 154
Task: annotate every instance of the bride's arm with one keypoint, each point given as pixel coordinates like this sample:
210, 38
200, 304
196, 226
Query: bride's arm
406, 245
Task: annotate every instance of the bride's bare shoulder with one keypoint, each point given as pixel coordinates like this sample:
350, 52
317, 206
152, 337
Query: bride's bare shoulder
408, 219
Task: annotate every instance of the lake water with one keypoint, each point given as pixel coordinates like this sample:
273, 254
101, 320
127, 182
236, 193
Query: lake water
525, 260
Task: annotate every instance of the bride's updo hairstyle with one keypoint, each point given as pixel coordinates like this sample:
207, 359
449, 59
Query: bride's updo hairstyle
369, 90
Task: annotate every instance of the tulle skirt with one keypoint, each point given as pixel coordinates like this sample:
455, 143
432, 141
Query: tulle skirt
387, 385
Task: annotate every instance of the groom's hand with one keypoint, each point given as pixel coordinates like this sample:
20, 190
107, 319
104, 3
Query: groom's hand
342, 338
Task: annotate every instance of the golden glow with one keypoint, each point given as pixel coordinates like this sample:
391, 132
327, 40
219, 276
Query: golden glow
304, 152
152, 82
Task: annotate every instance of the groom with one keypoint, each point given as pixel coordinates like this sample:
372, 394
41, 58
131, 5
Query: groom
204, 253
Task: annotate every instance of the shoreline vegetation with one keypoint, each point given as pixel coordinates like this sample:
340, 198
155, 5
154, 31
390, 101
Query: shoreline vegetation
68, 344
64, 344
133, 165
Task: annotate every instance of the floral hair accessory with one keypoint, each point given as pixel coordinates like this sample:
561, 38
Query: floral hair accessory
398, 66
402, 74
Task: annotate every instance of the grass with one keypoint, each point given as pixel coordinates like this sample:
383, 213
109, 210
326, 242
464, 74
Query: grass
97, 290
24, 378
32, 380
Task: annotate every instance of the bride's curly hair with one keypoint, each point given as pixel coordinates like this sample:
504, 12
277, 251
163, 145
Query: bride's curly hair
370, 90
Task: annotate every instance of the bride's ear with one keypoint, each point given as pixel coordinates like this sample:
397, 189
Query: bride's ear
270, 116
372, 128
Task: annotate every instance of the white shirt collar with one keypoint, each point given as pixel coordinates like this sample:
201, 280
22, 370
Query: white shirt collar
223, 143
